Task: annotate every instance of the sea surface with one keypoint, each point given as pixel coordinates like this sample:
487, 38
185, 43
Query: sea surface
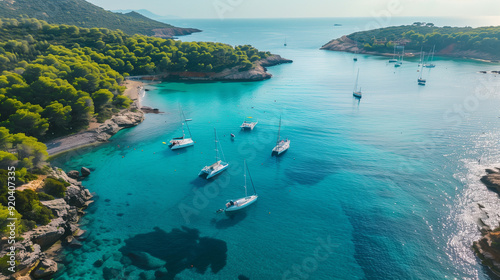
386, 187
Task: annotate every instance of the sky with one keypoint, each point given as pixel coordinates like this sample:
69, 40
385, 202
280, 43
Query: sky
308, 8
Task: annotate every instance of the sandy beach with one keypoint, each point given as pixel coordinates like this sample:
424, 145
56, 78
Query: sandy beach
93, 134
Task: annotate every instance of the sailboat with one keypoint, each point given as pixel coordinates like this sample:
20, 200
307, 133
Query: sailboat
182, 142
355, 56
240, 203
248, 125
219, 165
430, 65
421, 81
393, 59
357, 93
281, 145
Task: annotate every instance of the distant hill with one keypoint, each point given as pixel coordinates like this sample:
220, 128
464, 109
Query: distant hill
84, 14
147, 13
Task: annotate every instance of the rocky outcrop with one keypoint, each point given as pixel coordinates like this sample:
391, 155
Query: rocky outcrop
168, 33
67, 212
488, 247
257, 73
85, 171
46, 268
118, 122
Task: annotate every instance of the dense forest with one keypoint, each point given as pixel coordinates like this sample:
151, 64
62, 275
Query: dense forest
447, 39
80, 13
56, 78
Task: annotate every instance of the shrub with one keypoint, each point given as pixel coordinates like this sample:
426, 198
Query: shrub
55, 187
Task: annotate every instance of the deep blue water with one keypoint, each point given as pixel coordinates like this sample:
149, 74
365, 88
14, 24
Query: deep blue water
382, 188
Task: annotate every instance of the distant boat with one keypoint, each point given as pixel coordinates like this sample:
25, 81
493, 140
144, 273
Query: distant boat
355, 56
219, 165
248, 125
357, 93
421, 81
337, 24
240, 203
430, 65
181, 142
285, 42
232, 135
281, 145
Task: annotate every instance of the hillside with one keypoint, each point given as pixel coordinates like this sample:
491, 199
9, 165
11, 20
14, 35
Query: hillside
84, 14
467, 42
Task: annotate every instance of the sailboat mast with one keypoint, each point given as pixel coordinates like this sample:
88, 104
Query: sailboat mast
245, 175
279, 130
184, 117
216, 148
356, 84
251, 181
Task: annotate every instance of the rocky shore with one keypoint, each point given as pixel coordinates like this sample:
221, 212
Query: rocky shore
488, 247
168, 33
38, 248
256, 73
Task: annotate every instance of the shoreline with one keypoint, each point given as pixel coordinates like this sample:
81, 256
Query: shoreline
345, 44
100, 133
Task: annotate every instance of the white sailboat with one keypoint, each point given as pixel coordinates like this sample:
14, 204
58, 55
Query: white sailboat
219, 165
240, 203
281, 145
401, 57
248, 125
430, 65
182, 142
421, 81
357, 93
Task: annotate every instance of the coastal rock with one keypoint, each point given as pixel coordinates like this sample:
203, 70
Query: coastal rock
110, 273
74, 174
149, 110
85, 171
274, 60
58, 206
46, 268
492, 180
28, 256
77, 196
48, 234
488, 247
168, 33
125, 119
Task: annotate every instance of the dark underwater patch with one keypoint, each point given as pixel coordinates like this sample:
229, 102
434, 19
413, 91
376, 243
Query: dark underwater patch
179, 249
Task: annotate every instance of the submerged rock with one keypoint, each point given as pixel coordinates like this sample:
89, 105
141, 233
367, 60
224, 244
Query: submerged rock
85, 171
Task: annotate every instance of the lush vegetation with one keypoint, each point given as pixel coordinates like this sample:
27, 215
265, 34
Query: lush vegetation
80, 13
54, 187
418, 35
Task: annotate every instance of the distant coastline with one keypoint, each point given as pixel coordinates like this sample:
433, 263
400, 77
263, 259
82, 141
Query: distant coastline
456, 42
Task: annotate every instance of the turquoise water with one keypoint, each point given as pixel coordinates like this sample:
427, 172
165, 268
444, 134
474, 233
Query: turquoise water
382, 188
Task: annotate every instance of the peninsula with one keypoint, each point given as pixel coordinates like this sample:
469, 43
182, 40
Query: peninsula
462, 42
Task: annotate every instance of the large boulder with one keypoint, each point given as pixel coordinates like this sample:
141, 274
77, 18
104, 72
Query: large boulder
48, 234
85, 171
73, 174
77, 196
58, 206
46, 268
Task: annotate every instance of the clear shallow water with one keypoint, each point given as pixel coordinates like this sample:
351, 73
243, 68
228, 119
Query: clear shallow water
389, 184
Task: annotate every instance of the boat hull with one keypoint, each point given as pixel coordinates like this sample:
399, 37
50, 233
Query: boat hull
279, 149
206, 171
242, 203
357, 94
179, 144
